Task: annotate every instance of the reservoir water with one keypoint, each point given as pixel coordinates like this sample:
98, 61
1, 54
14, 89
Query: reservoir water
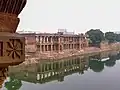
100, 71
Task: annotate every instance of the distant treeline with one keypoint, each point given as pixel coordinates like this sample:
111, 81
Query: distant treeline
96, 36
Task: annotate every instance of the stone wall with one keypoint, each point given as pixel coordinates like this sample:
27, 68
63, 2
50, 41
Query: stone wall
46, 42
30, 48
115, 46
104, 45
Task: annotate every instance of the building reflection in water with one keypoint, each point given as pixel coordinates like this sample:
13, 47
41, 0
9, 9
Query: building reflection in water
58, 69
47, 71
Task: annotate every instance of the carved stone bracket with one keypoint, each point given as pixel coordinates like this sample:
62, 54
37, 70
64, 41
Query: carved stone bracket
8, 23
15, 48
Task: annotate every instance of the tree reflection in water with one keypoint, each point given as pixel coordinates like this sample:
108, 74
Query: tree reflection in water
96, 66
13, 83
111, 61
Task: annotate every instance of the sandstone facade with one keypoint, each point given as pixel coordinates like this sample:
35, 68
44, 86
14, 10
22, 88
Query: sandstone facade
55, 42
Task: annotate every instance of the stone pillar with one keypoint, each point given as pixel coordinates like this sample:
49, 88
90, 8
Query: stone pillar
58, 44
69, 46
43, 48
51, 39
40, 41
47, 48
51, 47
73, 42
51, 43
47, 39
44, 39
55, 48
37, 39
80, 43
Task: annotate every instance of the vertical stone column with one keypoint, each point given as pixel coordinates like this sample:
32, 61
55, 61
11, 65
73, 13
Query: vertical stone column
73, 42
80, 43
51, 43
47, 48
51, 48
67, 46
58, 44
43, 48
69, 43
37, 39
44, 43
44, 39
51, 39
40, 41
47, 39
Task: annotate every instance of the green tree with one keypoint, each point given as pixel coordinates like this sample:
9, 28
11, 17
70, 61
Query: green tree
13, 84
110, 36
118, 37
96, 36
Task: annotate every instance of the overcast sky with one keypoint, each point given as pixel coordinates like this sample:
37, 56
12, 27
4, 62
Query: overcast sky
74, 15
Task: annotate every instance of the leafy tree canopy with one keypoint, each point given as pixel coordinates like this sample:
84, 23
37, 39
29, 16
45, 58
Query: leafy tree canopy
118, 37
110, 36
95, 35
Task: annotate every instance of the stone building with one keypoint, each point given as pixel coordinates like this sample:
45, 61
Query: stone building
55, 42
30, 42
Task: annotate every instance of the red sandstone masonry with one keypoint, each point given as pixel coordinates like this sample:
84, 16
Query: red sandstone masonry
70, 53
55, 42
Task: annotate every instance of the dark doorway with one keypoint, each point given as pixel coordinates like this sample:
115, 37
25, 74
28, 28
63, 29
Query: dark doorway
1, 48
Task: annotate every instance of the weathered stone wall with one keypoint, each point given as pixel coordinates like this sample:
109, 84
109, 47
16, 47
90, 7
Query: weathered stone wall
30, 48
115, 46
104, 45
55, 42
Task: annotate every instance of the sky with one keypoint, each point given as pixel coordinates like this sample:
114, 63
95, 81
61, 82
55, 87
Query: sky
73, 15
